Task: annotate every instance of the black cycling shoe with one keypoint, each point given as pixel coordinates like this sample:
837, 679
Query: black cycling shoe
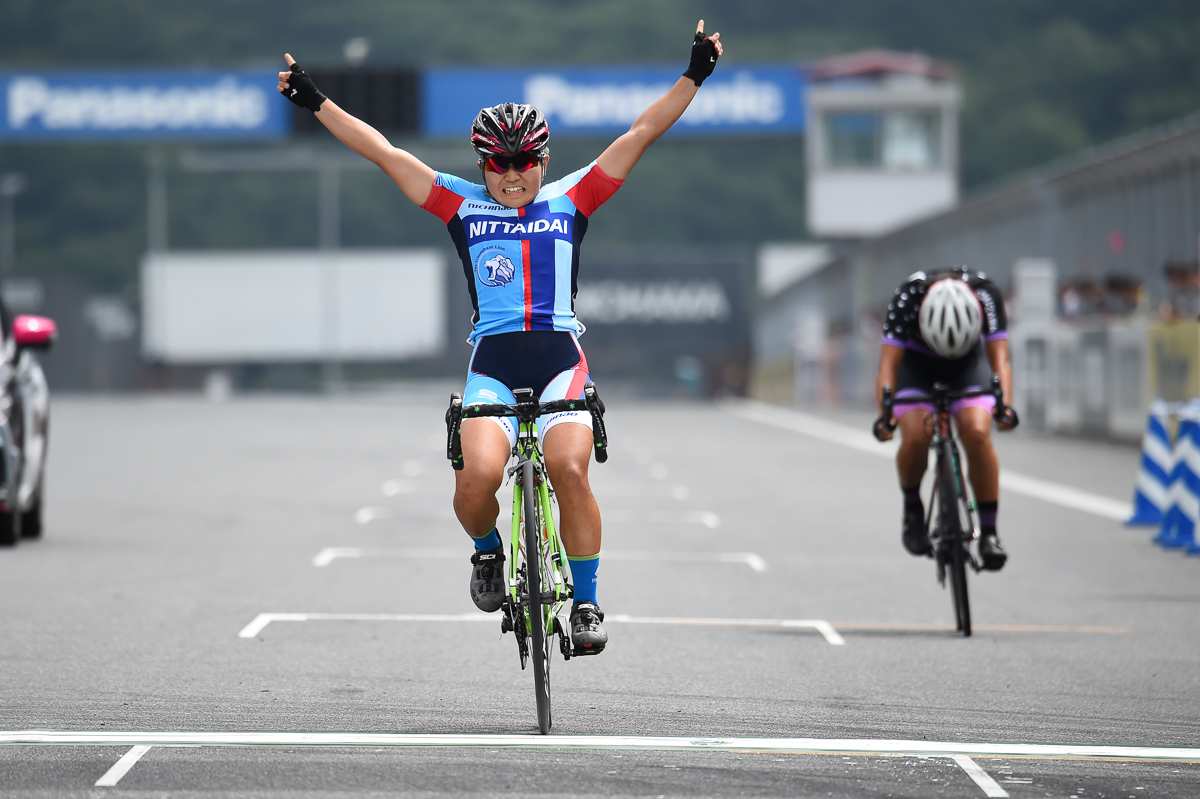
991, 553
916, 539
587, 629
487, 579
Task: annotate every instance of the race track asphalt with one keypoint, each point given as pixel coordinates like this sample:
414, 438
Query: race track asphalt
173, 524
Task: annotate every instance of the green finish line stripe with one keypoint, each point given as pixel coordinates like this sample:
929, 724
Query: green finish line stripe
820, 746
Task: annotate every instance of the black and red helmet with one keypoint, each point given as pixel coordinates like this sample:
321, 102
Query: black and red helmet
510, 129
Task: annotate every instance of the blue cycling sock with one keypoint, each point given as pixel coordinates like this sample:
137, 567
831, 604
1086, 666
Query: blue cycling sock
583, 574
486, 543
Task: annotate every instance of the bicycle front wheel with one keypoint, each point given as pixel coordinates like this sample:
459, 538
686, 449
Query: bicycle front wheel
539, 637
954, 537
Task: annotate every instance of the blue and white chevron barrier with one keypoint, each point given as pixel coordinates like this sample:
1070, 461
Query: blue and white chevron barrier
1158, 461
1182, 514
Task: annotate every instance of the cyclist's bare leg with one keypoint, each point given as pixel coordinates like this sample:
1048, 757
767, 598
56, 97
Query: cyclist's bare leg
485, 454
913, 456
568, 450
975, 432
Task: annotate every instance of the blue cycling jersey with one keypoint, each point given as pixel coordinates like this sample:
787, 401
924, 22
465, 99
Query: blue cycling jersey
521, 264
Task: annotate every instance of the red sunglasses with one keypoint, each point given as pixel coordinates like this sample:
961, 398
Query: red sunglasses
522, 162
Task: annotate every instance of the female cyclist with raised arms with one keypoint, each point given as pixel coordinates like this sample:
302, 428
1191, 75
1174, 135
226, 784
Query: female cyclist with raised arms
519, 240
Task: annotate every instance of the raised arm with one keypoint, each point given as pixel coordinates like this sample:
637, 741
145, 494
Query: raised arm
618, 160
412, 175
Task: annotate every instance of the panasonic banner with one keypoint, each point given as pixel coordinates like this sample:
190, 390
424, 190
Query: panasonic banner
740, 100
120, 106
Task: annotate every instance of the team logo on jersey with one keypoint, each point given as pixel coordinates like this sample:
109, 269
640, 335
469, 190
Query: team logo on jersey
494, 268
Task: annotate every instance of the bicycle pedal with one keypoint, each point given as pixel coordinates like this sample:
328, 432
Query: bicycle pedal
506, 620
587, 649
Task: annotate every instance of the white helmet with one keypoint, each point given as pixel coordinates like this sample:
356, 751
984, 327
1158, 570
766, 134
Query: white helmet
950, 318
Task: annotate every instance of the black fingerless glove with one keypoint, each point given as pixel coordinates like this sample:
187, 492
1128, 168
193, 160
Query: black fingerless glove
302, 91
704, 59
1007, 417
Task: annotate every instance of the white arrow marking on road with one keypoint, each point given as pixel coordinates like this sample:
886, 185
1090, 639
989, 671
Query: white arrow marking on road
261, 621
981, 777
847, 436
815, 746
330, 554
122, 766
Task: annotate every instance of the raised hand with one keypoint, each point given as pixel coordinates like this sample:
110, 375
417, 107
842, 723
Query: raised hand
705, 52
298, 87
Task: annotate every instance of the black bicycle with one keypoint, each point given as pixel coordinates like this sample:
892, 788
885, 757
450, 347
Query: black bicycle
950, 516
539, 583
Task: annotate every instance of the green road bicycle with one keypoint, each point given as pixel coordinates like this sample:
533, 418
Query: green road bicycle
539, 580
950, 516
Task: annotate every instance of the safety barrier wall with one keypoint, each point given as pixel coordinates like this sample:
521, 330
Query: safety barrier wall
1082, 379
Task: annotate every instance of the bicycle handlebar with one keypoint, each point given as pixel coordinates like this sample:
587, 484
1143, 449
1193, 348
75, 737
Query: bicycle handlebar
527, 408
941, 397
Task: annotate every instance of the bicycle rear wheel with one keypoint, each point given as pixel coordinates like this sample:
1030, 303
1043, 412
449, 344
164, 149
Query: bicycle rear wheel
954, 537
539, 636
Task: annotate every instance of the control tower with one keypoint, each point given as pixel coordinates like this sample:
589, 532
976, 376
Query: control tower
882, 143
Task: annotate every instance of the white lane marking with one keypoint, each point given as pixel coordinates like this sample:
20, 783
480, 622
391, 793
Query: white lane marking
261, 621
821, 626
1066, 496
122, 766
981, 777
847, 436
369, 514
392, 488
819, 746
812, 426
752, 560
329, 554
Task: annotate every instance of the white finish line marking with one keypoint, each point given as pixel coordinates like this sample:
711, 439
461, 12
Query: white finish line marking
330, 554
982, 778
814, 746
846, 436
261, 621
122, 766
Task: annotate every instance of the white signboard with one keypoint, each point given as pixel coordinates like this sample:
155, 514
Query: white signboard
304, 305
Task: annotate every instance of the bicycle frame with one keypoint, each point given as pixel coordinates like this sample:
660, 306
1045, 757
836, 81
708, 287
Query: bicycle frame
556, 589
948, 465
